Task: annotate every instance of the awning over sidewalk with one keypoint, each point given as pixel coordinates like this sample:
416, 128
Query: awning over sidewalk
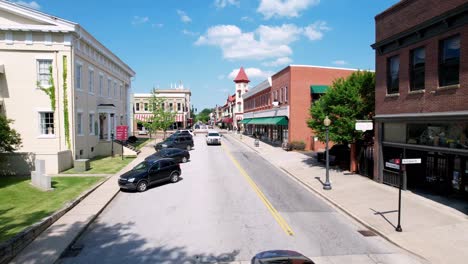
227, 120
277, 120
245, 120
318, 89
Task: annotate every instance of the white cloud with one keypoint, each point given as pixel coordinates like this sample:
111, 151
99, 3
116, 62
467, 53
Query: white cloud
340, 62
266, 42
184, 17
158, 25
224, 3
139, 20
284, 8
246, 19
190, 33
221, 76
252, 73
315, 31
32, 4
278, 62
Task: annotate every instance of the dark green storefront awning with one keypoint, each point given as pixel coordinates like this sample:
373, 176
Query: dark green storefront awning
245, 120
277, 120
318, 89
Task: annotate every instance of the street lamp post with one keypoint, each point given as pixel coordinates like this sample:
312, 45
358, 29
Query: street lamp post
327, 184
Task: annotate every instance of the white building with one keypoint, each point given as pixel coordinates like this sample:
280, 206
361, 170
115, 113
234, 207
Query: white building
242, 86
91, 91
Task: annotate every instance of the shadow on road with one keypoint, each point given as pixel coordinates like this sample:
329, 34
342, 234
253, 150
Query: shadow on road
117, 243
153, 186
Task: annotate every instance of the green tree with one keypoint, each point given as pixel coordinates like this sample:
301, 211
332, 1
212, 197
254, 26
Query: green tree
204, 115
10, 140
346, 101
161, 118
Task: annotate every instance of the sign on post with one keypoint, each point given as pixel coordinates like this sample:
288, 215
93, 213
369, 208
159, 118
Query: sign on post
122, 133
392, 165
364, 125
411, 161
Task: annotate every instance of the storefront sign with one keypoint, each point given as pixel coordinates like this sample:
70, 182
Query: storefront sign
122, 133
411, 161
392, 165
364, 125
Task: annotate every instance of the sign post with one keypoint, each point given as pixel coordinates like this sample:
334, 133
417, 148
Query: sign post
400, 174
122, 135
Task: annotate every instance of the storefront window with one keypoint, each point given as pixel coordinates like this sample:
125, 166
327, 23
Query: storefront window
394, 132
446, 135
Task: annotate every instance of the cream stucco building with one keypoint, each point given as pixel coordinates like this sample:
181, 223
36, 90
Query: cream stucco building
176, 100
93, 82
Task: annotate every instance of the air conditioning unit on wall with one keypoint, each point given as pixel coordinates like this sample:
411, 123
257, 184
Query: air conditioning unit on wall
275, 104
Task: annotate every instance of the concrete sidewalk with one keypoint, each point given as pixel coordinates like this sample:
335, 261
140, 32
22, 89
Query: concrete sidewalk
434, 231
49, 245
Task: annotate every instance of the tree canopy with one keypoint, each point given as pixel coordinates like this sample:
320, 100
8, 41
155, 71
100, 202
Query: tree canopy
204, 115
162, 117
346, 101
10, 140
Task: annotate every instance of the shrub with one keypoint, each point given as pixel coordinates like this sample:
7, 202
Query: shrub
298, 145
132, 139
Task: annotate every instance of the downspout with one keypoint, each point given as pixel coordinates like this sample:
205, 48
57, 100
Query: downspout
71, 117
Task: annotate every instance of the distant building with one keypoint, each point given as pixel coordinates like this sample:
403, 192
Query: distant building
421, 94
277, 109
177, 100
242, 86
35, 48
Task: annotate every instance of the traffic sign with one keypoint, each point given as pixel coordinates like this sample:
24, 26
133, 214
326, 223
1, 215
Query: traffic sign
392, 165
411, 161
363, 125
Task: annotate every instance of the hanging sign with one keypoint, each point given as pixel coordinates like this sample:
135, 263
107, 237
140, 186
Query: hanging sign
364, 125
411, 161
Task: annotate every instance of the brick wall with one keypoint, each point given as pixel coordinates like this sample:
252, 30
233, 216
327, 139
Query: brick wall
257, 98
433, 99
410, 13
299, 79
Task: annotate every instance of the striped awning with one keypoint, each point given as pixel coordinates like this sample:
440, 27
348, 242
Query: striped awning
143, 117
179, 117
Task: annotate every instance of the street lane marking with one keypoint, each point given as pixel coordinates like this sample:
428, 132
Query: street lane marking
279, 219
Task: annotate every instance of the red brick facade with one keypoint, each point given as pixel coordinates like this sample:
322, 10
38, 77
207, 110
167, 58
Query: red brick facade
259, 101
298, 79
410, 13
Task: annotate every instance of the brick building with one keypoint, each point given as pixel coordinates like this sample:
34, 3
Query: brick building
422, 94
278, 110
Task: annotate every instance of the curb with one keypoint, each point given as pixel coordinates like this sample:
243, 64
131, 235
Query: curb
13, 246
341, 208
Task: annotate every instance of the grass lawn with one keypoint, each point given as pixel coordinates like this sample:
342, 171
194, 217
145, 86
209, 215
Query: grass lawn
104, 165
141, 142
23, 205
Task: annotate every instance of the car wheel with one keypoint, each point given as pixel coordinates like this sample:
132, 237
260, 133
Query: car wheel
174, 177
189, 147
184, 159
142, 186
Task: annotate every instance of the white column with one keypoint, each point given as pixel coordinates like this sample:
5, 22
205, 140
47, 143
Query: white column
108, 127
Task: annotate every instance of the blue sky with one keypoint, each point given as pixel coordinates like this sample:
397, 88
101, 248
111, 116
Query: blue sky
202, 43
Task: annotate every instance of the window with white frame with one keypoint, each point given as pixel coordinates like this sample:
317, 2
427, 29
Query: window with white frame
120, 92
137, 106
179, 107
79, 123
101, 83
91, 81
43, 72
91, 124
78, 73
115, 90
109, 84
47, 123
286, 94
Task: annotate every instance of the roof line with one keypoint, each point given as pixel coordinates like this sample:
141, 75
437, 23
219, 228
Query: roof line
325, 67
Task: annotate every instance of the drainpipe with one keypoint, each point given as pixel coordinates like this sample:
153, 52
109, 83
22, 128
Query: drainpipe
57, 102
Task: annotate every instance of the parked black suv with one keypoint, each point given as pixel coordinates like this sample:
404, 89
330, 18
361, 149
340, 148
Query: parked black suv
149, 172
179, 141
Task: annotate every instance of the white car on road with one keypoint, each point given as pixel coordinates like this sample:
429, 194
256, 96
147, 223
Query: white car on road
213, 138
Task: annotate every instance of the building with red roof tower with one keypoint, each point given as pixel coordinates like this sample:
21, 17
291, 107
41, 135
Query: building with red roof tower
242, 86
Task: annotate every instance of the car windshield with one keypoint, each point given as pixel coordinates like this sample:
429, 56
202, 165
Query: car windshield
141, 166
213, 134
163, 152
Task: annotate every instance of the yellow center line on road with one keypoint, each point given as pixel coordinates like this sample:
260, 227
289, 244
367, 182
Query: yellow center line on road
279, 219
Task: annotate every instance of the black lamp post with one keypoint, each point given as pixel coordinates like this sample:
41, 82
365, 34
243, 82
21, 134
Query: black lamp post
327, 184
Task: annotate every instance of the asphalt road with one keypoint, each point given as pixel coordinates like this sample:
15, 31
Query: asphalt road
229, 205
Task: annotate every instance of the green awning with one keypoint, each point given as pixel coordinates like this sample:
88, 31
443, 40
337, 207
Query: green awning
318, 89
277, 120
245, 120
